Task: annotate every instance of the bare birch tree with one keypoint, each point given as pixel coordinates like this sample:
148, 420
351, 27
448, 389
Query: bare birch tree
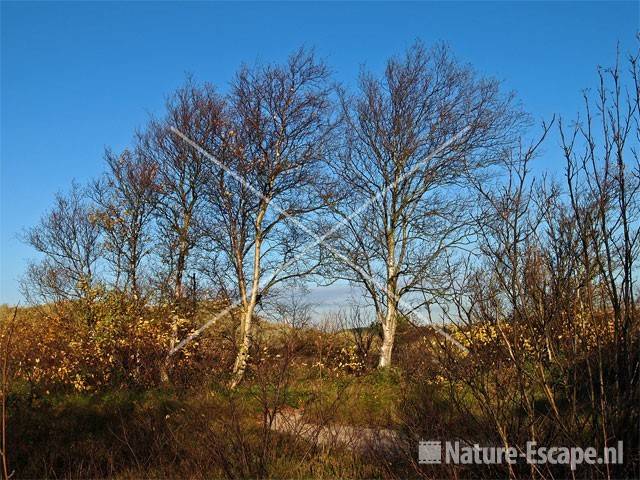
414, 138
68, 237
196, 112
265, 182
126, 197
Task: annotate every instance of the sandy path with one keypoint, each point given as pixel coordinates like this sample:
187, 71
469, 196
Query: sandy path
355, 438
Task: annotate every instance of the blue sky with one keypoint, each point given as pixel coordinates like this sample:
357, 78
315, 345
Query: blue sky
77, 77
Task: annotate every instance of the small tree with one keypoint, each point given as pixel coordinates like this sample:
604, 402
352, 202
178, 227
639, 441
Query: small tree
603, 182
68, 237
126, 198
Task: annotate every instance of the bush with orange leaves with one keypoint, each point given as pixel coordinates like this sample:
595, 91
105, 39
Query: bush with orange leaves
125, 344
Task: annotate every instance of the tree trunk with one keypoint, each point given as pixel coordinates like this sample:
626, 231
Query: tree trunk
183, 253
389, 322
389, 334
178, 291
164, 368
178, 295
240, 364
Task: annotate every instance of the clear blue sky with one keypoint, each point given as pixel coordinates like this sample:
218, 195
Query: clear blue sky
77, 77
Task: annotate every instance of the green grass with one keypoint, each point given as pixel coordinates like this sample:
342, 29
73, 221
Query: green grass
124, 432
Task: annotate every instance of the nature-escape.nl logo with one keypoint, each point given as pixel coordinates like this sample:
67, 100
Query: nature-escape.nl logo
431, 452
